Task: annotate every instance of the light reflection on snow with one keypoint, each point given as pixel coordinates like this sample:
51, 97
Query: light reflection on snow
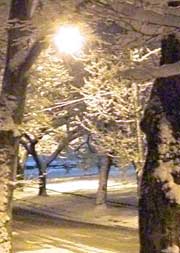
74, 186
51, 250
82, 247
89, 184
70, 247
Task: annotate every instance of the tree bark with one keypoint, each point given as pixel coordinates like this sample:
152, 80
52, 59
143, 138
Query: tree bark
159, 204
42, 179
8, 154
105, 164
8, 134
12, 101
20, 169
15, 80
42, 168
29, 144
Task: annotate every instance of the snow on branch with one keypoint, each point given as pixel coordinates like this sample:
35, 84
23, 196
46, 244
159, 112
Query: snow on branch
148, 16
145, 73
168, 17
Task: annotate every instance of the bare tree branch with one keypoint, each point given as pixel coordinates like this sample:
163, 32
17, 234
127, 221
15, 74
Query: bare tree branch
26, 146
32, 54
64, 143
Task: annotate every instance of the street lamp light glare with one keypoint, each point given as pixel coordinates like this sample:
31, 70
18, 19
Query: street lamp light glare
69, 40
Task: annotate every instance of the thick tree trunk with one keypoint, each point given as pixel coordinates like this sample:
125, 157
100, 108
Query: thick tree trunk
18, 61
15, 80
8, 154
159, 204
105, 164
11, 111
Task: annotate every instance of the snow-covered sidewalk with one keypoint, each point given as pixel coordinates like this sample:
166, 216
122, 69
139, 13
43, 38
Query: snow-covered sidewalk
74, 199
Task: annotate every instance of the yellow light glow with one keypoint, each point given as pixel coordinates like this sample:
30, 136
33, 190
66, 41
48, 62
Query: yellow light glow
69, 40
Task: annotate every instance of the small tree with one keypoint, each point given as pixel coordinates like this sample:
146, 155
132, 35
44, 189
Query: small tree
29, 143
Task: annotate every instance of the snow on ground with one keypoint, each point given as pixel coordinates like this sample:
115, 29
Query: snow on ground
72, 246
73, 198
89, 184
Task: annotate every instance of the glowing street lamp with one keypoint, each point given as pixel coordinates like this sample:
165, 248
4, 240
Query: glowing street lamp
69, 40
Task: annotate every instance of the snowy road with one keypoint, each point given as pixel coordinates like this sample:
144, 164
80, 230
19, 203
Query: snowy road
39, 234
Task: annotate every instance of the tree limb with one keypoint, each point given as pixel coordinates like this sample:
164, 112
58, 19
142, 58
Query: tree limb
121, 9
145, 73
148, 16
26, 146
32, 54
64, 143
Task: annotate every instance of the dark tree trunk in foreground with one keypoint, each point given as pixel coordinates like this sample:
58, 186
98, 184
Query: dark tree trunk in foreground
8, 151
105, 164
11, 98
159, 204
18, 61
